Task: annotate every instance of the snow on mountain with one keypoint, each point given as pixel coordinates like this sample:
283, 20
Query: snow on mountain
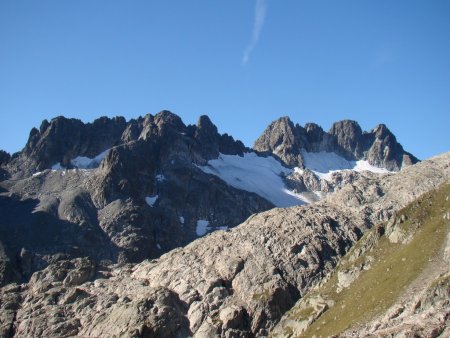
151, 200
82, 162
261, 175
57, 166
202, 227
324, 164
160, 178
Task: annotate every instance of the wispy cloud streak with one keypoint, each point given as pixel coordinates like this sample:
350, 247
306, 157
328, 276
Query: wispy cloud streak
260, 16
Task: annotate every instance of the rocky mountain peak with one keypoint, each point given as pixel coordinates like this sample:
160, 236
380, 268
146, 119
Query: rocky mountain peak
384, 150
163, 123
204, 123
166, 118
313, 128
206, 135
4, 157
348, 136
317, 139
63, 138
283, 139
381, 132
345, 138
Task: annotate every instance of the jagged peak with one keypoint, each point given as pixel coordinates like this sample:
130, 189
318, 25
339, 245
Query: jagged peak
345, 138
283, 121
4, 157
381, 131
205, 123
314, 132
345, 126
167, 116
311, 126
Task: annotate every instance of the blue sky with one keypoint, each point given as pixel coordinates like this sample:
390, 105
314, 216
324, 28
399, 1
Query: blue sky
243, 63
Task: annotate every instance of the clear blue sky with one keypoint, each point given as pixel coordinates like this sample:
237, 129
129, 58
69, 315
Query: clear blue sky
243, 63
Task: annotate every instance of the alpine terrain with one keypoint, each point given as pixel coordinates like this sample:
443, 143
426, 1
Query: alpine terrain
153, 228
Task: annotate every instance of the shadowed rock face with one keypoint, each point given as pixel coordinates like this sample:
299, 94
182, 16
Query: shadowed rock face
4, 157
63, 139
379, 146
349, 138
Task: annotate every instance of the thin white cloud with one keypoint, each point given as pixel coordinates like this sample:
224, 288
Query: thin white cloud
260, 16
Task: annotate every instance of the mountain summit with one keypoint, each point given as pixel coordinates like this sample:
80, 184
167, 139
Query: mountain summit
345, 138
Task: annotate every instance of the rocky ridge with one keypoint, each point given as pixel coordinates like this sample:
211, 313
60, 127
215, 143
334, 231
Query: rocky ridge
104, 212
345, 138
235, 283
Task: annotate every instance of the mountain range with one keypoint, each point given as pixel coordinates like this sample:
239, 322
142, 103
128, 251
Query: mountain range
130, 228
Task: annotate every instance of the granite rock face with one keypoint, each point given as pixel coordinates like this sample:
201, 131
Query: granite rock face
345, 138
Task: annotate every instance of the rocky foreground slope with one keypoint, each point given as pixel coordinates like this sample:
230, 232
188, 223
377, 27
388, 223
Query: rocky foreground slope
394, 282
235, 283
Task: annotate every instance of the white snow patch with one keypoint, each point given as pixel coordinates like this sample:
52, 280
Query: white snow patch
160, 177
37, 174
324, 164
82, 162
225, 228
150, 200
366, 166
202, 227
181, 219
261, 175
57, 166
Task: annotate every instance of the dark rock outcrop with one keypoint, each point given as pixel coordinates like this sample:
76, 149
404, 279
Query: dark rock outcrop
383, 150
345, 138
4, 157
62, 139
349, 139
284, 140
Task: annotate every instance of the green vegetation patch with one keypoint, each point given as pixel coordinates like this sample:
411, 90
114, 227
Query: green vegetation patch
394, 267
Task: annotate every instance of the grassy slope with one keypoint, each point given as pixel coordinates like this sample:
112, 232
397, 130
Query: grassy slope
394, 267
